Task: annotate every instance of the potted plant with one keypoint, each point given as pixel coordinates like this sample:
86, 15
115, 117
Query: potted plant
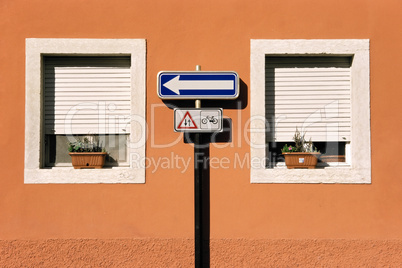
87, 153
302, 155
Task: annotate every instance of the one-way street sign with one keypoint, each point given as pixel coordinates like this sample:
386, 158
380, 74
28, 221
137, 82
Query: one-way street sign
198, 85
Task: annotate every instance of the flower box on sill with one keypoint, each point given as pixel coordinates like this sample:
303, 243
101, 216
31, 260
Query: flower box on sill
88, 153
301, 155
88, 159
301, 160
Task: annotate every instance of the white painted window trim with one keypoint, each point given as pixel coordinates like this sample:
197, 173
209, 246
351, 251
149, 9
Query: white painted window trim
36, 48
360, 169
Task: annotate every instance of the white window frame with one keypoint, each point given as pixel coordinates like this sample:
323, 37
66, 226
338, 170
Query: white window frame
36, 48
359, 170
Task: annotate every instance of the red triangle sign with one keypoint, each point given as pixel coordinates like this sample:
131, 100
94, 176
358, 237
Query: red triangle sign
187, 122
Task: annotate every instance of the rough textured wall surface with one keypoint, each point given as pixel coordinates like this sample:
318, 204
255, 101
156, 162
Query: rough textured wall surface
179, 253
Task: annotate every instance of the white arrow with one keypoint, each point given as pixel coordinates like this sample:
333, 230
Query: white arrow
176, 85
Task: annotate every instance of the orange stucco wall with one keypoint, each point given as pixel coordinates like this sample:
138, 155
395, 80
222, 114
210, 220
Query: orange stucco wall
216, 35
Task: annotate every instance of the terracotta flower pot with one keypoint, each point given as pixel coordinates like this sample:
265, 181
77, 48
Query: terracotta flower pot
301, 160
88, 159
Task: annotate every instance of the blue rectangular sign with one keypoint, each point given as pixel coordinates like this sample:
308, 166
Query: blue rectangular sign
198, 85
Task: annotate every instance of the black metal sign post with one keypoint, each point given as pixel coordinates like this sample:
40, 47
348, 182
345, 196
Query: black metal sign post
201, 199
199, 159
197, 86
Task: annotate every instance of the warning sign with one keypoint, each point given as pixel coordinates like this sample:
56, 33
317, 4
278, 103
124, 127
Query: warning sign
198, 120
187, 122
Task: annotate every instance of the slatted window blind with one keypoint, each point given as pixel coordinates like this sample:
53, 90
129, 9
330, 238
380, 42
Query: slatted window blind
311, 93
87, 95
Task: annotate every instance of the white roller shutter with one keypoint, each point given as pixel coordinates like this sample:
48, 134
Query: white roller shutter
87, 95
311, 93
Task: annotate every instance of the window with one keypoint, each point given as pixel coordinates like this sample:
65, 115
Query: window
321, 87
86, 95
76, 87
311, 93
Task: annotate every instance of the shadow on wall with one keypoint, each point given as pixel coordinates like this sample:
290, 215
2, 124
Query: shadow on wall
203, 146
